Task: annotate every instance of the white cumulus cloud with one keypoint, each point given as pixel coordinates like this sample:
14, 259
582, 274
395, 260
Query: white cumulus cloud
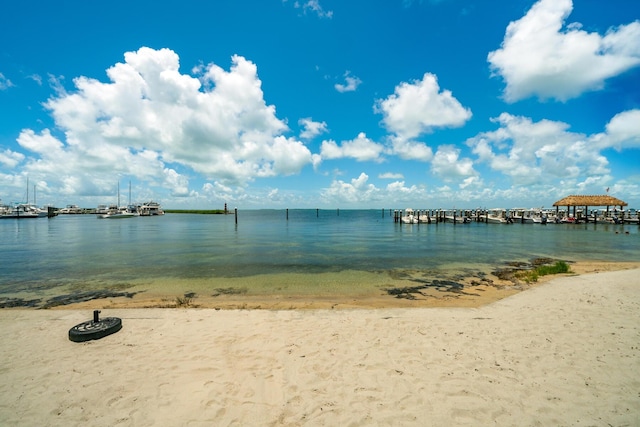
623, 130
311, 129
361, 149
358, 190
448, 165
154, 122
351, 83
538, 152
11, 158
542, 57
419, 107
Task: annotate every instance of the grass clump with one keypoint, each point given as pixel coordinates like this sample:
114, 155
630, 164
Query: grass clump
543, 270
185, 301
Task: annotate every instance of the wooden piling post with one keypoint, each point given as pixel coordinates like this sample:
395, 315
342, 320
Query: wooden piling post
236, 215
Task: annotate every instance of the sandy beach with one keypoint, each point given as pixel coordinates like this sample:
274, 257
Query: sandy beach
566, 352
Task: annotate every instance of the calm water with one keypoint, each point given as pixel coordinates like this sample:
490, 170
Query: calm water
41, 254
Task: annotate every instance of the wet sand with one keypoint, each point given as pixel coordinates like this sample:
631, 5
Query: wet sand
341, 290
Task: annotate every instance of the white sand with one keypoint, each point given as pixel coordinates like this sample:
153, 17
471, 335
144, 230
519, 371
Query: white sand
564, 353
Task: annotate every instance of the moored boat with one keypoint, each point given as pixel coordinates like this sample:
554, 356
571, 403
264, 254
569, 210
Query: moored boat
409, 217
118, 212
115, 212
497, 216
150, 209
20, 211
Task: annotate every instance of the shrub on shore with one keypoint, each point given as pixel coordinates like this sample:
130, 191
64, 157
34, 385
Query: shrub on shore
543, 270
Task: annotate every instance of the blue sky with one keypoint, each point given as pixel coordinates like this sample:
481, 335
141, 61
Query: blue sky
319, 103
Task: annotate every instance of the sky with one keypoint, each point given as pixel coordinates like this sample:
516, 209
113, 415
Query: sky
319, 103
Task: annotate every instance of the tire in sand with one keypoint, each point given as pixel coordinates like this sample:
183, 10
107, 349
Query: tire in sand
92, 330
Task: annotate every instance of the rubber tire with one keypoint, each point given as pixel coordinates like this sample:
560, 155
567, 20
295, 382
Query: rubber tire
91, 330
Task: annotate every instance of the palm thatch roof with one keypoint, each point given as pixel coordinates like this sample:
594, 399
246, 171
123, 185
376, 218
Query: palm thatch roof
590, 201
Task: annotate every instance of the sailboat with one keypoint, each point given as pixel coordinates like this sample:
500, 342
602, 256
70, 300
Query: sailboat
117, 212
23, 210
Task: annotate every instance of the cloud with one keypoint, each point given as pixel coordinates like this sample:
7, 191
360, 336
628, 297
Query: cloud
155, 123
538, 153
361, 149
5, 83
623, 130
448, 165
360, 192
10, 158
313, 6
356, 191
409, 149
36, 78
311, 129
538, 57
390, 175
351, 83
419, 107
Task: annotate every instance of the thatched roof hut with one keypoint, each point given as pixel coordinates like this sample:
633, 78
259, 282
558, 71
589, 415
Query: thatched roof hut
590, 201
586, 201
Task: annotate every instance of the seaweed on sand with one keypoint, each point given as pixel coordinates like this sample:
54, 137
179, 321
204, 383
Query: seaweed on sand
18, 302
229, 291
410, 292
83, 297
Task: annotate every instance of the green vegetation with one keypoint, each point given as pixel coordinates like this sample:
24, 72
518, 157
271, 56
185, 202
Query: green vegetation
543, 270
185, 301
196, 211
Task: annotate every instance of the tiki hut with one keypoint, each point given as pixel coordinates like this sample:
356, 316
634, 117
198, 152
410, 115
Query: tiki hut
586, 201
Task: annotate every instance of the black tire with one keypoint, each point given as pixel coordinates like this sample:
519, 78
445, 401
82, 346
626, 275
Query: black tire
91, 330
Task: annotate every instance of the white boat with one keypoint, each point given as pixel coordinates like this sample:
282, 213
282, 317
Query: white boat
115, 212
457, 216
522, 216
409, 217
539, 216
20, 211
119, 212
24, 210
102, 209
497, 216
70, 209
631, 217
150, 209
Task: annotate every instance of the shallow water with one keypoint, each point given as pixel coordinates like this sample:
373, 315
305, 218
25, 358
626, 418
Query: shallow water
81, 251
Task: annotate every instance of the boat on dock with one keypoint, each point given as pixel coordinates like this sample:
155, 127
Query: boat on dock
522, 216
120, 212
409, 217
150, 209
20, 211
497, 216
458, 216
71, 210
115, 212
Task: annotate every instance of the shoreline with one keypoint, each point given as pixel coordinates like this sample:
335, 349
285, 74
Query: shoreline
342, 290
562, 353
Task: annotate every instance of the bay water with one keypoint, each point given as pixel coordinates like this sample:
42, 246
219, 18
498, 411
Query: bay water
81, 252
